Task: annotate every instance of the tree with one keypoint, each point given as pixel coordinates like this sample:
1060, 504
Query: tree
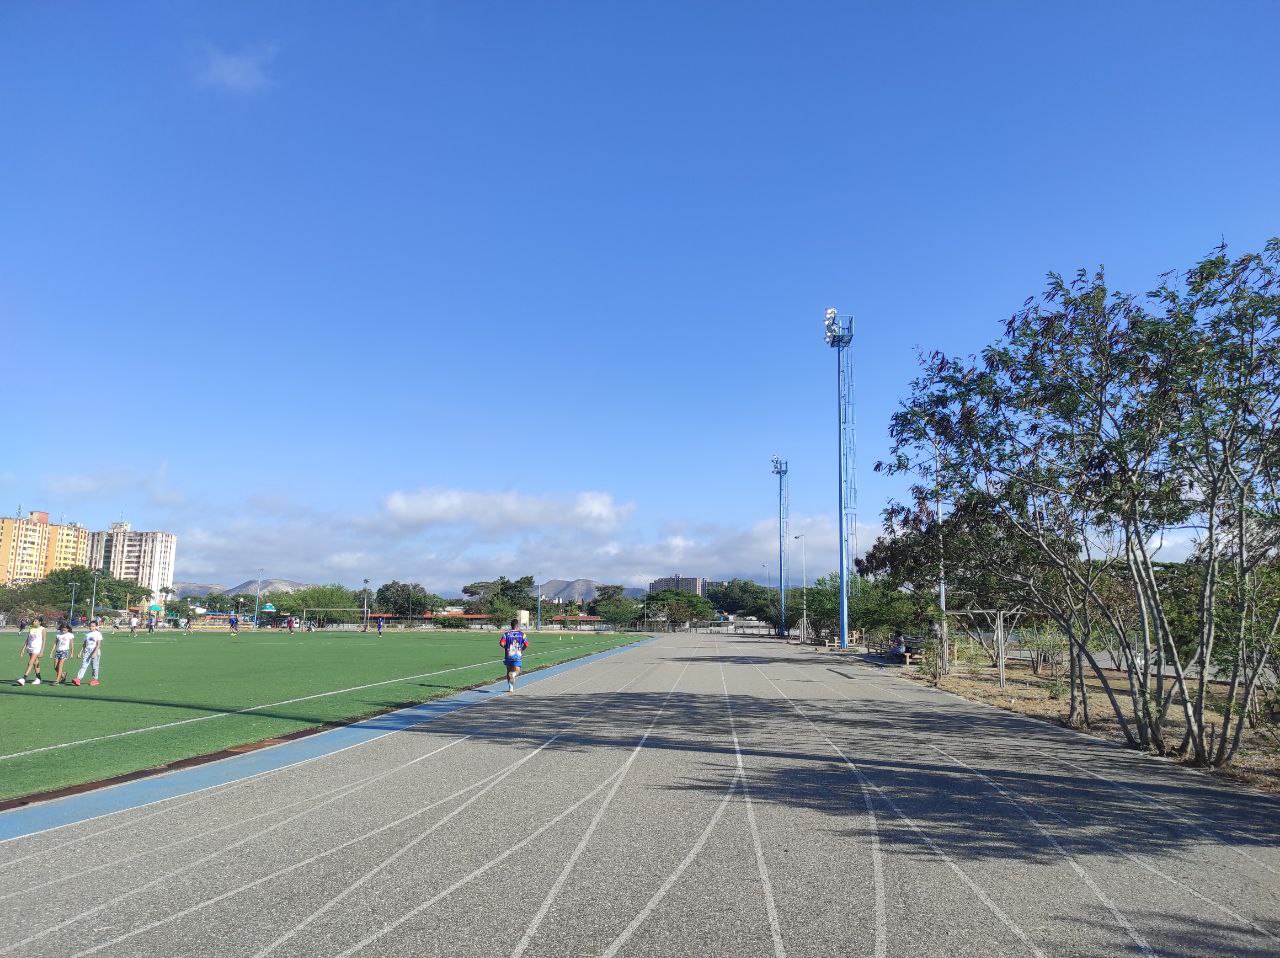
620, 612
1100, 423
484, 598
742, 595
678, 608
406, 598
313, 599
605, 594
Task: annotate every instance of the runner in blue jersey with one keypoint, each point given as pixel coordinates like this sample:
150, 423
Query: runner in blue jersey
513, 645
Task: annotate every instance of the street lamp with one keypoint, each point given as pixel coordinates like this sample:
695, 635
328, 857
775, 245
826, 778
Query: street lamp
839, 336
93, 603
71, 616
257, 602
804, 591
780, 470
365, 598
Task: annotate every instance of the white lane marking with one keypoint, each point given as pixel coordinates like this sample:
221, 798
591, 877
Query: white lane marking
346, 790
1116, 849
1017, 803
360, 838
1173, 811
559, 883
981, 895
770, 905
199, 793
269, 705
674, 877
1083, 875
467, 879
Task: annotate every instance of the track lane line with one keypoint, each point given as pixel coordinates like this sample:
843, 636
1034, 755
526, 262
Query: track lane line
771, 907
973, 886
244, 841
347, 844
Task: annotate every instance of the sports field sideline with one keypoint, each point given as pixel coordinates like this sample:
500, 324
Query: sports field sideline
169, 696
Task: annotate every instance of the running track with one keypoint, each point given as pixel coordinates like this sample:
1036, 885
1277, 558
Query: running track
700, 795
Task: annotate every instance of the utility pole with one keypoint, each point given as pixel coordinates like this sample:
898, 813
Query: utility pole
93, 603
257, 602
780, 470
71, 616
804, 590
365, 598
839, 336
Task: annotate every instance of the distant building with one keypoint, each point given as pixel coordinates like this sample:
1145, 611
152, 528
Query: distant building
697, 586
31, 547
143, 557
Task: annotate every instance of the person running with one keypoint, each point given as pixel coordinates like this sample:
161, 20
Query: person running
133, 625
90, 653
289, 623
33, 648
63, 648
380, 623
513, 644
234, 622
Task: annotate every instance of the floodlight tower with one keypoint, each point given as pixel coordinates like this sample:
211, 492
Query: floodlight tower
839, 336
780, 470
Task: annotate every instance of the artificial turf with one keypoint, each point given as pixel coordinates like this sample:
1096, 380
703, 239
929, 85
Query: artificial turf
167, 677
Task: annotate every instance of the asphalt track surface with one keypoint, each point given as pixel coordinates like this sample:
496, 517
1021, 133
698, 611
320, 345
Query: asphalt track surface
700, 795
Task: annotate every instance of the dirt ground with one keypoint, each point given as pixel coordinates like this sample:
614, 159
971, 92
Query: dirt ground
1256, 764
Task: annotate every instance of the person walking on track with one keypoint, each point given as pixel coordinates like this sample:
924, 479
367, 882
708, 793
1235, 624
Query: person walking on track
33, 648
513, 645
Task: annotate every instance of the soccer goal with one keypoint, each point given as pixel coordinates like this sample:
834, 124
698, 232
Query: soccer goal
344, 619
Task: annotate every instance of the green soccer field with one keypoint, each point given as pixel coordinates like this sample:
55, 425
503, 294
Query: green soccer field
199, 686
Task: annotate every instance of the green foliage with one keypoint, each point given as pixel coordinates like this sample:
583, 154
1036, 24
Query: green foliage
743, 596
620, 612
678, 608
500, 596
50, 597
406, 598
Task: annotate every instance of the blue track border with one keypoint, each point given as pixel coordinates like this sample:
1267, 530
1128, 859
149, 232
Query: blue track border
43, 816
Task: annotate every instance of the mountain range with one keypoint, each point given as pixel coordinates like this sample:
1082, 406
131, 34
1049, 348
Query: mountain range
189, 589
579, 590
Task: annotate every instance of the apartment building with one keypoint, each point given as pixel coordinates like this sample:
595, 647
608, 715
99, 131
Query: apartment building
696, 585
146, 558
31, 547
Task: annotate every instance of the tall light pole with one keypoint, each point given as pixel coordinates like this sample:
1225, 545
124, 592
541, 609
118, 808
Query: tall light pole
72, 614
839, 336
365, 598
804, 590
93, 603
257, 601
780, 470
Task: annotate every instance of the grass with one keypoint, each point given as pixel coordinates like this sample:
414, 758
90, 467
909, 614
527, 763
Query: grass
164, 678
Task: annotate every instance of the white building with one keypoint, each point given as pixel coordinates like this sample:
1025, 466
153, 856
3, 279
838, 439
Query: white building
146, 558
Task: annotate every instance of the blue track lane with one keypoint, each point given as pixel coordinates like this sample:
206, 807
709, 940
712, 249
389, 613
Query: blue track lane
28, 820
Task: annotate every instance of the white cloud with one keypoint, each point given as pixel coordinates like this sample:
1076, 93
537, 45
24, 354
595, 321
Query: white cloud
244, 72
503, 511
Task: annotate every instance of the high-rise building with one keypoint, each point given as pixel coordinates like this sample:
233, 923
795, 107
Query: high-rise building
68, 547
143, 557
680, 583
31, 547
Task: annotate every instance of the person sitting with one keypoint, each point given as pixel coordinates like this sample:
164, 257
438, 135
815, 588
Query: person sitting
898, 648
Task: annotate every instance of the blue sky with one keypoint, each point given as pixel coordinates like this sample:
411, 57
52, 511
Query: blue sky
452, 290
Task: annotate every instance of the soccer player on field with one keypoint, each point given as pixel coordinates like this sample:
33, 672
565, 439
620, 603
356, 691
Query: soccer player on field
380, 623
33, 648
90, 653
64, 647
234, 622
513, 645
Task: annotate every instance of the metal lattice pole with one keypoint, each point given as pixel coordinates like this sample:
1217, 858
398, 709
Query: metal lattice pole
839, 336
780, 470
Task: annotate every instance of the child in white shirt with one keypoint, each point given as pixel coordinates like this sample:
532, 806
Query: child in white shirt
33, 648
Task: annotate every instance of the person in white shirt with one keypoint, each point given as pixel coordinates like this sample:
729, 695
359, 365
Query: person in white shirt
90, 652
33, 648
64, 646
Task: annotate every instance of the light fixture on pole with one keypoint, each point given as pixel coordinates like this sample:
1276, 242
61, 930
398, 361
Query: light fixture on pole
780, 470
804, 590
365, 599
839, 336
257, 601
